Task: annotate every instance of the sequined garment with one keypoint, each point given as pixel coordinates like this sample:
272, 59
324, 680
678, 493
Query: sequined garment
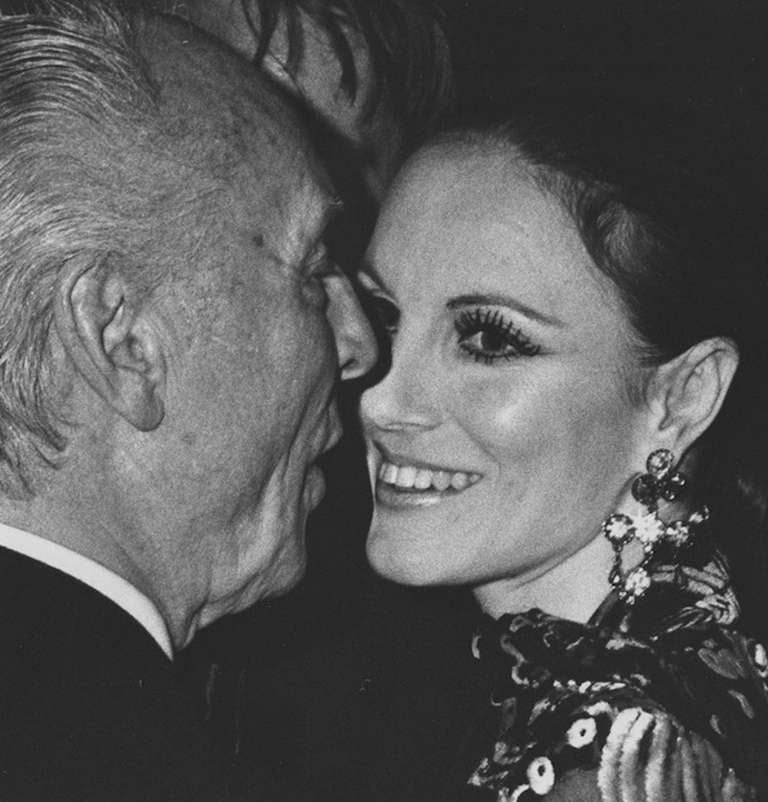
663, 701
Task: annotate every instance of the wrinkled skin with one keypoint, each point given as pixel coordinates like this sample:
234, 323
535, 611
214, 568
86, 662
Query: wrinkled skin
203, 504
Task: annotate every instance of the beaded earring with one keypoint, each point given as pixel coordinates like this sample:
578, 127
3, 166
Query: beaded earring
660, 482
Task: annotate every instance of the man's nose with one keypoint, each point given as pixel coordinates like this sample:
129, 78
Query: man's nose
355, 341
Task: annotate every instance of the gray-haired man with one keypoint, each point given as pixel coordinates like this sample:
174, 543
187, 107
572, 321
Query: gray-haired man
170, 333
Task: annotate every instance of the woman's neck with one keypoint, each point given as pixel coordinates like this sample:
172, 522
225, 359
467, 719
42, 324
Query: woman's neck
573, 588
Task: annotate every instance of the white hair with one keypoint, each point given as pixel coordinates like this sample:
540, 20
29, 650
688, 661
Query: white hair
73, 91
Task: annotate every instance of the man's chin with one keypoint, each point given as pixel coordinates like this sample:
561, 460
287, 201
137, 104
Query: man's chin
281, 579
265, 585
288, 582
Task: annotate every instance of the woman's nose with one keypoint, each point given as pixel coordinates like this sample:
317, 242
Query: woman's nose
403, 400
355, 341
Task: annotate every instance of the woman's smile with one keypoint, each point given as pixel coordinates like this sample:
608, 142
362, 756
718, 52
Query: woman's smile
505, 405
405, 482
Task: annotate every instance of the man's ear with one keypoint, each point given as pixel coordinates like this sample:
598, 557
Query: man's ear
689, 390
101, 322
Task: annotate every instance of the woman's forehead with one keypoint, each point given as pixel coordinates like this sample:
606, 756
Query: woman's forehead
476, 203
472, 222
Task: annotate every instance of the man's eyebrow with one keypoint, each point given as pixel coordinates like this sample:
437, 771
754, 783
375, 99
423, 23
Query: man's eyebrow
495, 299
332, 210
336, 206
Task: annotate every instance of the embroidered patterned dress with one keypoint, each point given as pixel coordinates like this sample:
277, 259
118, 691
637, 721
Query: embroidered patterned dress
661, 701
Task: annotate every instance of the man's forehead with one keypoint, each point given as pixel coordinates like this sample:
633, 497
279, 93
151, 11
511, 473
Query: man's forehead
236, 133
201, 78
220, 105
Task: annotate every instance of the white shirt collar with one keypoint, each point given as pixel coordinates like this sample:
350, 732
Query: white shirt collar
93, 574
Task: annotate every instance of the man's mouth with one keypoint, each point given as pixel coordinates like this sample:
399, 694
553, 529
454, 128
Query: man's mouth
334, 435
418, 485
315, 479
314, 487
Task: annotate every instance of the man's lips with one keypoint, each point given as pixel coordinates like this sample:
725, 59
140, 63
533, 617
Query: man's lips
315, 479
334, 435
333, 440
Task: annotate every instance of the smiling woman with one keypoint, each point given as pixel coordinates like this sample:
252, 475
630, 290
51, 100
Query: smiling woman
507, 339
568, 426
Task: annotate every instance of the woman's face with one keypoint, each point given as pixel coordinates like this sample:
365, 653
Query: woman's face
504, 432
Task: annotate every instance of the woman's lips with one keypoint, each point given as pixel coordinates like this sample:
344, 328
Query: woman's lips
407, 477
411, 485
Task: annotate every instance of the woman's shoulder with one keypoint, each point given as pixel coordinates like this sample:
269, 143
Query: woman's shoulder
667, 700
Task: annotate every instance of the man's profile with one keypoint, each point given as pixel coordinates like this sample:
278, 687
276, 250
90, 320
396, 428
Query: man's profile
172, 331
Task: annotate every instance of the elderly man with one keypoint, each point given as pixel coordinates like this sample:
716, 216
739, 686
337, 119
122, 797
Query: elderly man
171, 332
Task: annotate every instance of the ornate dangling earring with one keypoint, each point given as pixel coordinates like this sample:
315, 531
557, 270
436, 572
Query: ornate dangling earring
660, 482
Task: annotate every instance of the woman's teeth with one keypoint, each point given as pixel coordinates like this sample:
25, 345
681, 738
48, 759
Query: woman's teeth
408, 477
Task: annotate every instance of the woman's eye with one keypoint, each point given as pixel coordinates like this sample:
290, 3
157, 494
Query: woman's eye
386, 312
486, 336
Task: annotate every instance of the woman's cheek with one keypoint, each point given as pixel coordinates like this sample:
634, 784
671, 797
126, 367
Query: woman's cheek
500, 409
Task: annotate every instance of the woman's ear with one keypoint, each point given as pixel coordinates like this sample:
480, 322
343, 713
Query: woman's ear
689, 390
102, 323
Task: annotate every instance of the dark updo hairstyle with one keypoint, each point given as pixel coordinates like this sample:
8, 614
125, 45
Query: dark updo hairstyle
665, 190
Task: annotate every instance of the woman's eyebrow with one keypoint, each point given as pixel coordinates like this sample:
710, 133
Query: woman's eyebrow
495, 299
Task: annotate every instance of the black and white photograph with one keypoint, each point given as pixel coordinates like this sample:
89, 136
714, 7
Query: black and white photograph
383, 400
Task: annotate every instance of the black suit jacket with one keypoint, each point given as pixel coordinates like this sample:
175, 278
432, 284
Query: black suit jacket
393, 707
90, 708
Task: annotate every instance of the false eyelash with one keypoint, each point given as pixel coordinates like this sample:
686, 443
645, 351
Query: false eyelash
475, 321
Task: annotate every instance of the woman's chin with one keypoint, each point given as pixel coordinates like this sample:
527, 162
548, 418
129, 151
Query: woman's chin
398, 563
383, 564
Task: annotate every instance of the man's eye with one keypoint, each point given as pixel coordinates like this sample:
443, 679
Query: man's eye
320, 268
487, 337
313, 281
